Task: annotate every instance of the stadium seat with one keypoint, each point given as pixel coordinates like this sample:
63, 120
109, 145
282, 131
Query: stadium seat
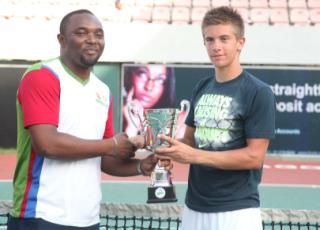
313, 3
46, 11
279, 16
20, 11
299, 16
167, 3
180, 15
201, 3
244, 12
315, 16
239, 3
297, 3
141, 14
278, 3
6, 10
161, 14
216, 3
105, 13
148, 3
123, 15
259, 16
123, 4
87, 2
258, 3
197, 14
59, 12
183, 3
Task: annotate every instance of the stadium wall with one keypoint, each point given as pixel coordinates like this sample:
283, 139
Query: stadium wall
265, 45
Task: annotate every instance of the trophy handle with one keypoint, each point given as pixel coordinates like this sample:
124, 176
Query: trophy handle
136, 111
183, 112
184, 107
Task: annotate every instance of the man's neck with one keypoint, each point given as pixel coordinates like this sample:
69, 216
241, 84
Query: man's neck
227, 74
82, 73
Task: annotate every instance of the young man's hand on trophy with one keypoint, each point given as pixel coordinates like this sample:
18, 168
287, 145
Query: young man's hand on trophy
147, 165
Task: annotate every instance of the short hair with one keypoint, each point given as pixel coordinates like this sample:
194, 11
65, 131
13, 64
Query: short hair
67, 17
224, 15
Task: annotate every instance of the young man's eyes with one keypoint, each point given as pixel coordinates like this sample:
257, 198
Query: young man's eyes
222, 39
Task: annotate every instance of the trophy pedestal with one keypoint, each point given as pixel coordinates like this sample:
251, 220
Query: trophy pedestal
161, 194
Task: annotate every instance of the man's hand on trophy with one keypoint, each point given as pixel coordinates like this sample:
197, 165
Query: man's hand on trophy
138, 141
176, 151
123, 148
147, 165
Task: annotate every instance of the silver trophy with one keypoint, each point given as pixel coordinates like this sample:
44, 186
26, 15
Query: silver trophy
155, 122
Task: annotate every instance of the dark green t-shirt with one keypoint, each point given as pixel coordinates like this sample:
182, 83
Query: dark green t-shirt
225, 115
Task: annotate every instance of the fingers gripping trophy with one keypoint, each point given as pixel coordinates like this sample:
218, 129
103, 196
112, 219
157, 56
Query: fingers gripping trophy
153, 123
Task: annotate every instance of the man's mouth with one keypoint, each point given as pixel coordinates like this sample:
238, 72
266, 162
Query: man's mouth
91, 51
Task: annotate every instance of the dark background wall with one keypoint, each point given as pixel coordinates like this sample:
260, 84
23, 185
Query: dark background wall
298, 101
297, 92
10, 75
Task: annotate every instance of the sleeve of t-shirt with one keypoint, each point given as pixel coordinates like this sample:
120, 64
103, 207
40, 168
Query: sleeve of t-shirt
261, 120
39, 97
109, 130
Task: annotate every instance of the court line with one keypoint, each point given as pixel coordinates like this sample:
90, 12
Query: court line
185, 183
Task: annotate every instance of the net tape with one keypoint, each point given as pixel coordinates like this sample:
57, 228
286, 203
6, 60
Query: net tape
167, 216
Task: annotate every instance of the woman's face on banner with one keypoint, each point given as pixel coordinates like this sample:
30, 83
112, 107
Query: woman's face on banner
148, 82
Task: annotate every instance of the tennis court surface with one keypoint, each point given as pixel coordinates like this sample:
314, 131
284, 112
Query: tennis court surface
289, 197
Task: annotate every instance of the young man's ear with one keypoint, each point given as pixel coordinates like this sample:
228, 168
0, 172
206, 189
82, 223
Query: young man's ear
242, 40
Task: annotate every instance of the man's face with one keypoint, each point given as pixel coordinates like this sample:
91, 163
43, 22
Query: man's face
83, 41
223, 46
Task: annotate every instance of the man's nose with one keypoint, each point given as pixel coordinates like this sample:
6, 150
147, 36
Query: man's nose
91, 37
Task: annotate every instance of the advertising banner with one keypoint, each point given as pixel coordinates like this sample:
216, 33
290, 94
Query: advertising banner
297, 92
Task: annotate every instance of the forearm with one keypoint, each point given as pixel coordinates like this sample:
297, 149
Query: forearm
122, 168
249, 157
50, 143
69, 147
239, 159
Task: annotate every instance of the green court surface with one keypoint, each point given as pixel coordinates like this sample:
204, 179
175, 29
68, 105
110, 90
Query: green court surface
287, 197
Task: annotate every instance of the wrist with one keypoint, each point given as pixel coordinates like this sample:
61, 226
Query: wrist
114, 146
139, 168
144, 141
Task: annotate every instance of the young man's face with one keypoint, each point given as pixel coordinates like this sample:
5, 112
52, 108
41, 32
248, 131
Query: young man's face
223, 46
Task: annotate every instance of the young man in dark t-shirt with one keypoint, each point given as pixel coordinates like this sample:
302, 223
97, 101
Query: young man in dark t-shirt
231, 120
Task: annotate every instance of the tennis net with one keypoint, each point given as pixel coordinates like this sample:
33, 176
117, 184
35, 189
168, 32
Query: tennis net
167, 216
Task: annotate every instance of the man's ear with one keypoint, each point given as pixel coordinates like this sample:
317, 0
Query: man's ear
61, 39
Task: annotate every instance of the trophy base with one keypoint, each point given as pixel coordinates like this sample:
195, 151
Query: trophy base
161, 194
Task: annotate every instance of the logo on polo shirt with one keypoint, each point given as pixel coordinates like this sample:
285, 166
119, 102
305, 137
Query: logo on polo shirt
101, 99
